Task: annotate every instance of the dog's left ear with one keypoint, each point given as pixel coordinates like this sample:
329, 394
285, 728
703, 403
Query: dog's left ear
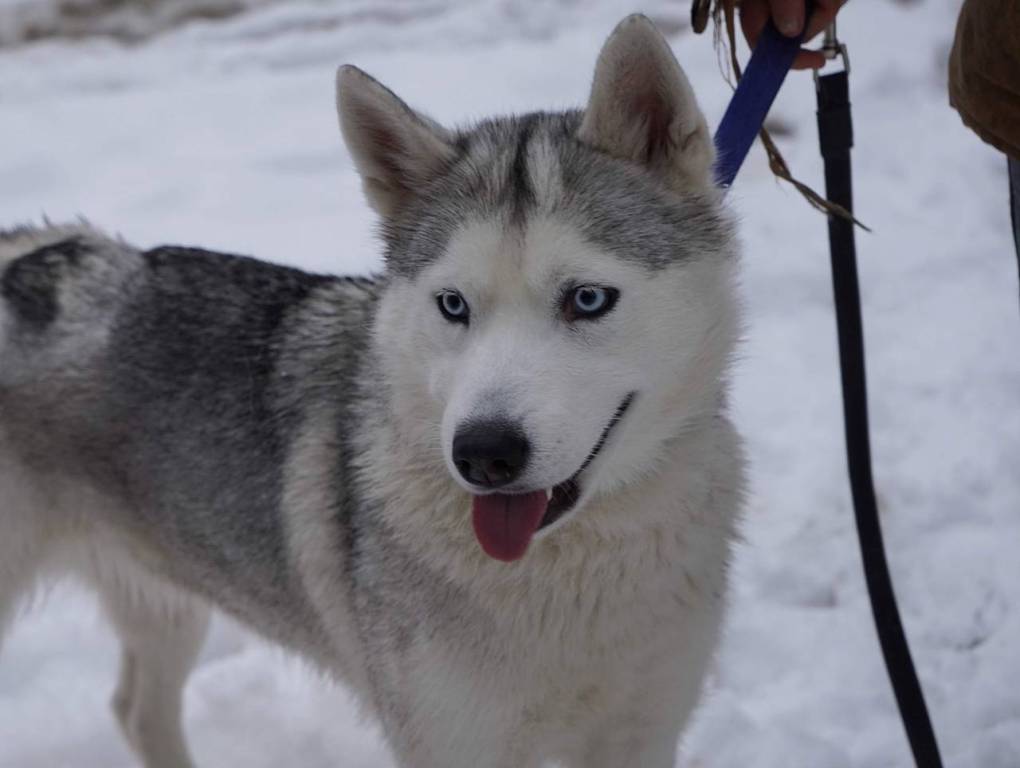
642, 108
397, 151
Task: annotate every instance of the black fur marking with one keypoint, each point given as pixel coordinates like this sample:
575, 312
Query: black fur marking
230, 306
520, 193
31, 283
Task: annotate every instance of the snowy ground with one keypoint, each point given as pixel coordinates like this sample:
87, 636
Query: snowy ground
223, 134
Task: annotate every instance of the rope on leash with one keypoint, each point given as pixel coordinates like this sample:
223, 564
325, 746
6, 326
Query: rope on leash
744, 118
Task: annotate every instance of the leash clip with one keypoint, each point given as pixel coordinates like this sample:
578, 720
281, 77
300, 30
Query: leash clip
832, 48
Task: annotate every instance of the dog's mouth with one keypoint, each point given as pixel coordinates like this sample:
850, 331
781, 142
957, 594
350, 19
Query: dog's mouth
564, 496
505, 523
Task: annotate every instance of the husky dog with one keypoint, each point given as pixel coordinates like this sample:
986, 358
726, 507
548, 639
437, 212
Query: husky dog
493, 490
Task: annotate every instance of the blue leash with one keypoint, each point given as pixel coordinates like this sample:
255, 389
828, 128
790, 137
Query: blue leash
769, 64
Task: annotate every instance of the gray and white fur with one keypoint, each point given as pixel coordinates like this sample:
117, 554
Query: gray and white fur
185, 429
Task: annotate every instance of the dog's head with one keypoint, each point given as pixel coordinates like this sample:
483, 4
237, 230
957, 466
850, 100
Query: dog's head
559, 305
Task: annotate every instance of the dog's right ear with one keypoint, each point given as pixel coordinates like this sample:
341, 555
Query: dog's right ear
395, 149
642, 108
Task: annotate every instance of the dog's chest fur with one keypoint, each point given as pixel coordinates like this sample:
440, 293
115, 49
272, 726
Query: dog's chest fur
549, 647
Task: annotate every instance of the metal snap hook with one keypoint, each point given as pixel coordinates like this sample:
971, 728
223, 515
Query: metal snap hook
832, 48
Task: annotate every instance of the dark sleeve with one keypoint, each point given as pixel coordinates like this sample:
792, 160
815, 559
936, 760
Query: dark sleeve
984, 71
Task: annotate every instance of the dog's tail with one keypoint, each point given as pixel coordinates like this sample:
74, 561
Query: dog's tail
23, 239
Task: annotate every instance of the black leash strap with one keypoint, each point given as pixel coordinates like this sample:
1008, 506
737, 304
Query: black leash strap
835, 132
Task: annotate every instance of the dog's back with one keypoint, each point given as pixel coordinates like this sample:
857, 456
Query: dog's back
148, 401
139, 391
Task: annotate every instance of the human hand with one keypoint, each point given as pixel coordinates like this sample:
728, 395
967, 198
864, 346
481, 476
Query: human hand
788, 16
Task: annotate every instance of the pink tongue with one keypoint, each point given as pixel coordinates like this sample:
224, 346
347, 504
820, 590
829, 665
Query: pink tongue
504, 523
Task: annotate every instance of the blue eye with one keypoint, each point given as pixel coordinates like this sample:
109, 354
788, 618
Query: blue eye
588, 302
453, 306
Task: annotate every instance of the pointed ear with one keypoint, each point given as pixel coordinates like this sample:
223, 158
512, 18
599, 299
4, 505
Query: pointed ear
395, 149
642, 108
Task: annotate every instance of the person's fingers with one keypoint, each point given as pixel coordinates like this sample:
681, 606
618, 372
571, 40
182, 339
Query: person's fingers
808, 59
825, 11
788, 16
753, 16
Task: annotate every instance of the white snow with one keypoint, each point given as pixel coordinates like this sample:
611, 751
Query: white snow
223, 134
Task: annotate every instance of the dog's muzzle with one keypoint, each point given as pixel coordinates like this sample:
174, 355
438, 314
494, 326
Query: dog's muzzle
491, 455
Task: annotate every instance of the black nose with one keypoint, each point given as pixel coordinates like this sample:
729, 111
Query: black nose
490, 453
